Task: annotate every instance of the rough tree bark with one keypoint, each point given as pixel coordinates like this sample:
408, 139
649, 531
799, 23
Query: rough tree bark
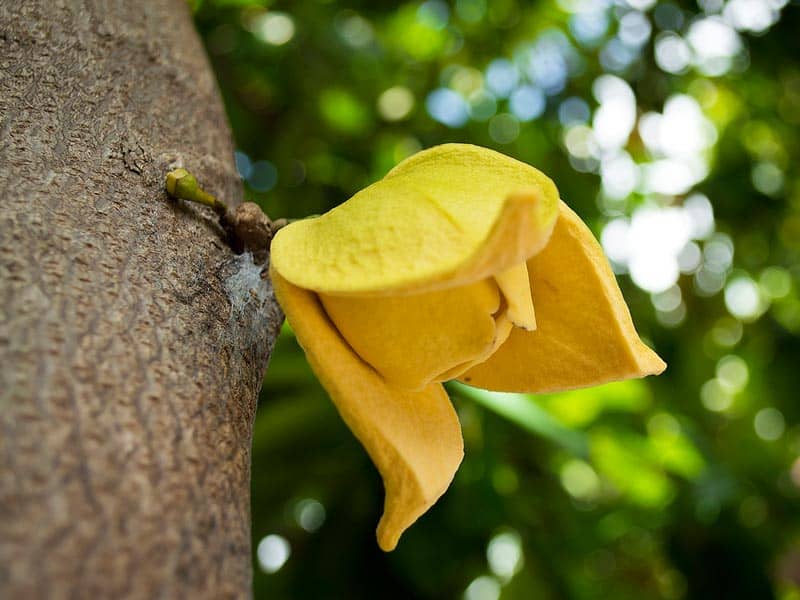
132, 340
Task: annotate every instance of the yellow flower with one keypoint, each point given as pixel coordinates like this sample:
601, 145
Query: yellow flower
432, 274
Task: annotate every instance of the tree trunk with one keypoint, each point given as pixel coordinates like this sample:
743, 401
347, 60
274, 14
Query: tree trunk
132, 340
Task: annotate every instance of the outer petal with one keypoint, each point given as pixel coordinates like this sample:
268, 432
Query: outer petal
414, 438
585, 335
411, 340
447, 216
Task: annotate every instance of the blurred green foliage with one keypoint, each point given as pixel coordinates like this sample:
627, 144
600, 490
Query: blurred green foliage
672, 128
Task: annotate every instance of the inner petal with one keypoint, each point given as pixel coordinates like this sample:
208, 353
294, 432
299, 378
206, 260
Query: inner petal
516, 289
412, 339
503, 327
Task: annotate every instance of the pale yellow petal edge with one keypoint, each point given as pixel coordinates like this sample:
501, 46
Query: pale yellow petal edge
392, 238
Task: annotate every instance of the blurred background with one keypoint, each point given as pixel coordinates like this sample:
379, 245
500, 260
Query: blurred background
672, 129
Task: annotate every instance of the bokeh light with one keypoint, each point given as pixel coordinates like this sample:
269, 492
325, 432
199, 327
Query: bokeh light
273, 551
447, 107
483, 588
504, 555
769, 424
309, 514
396, 103
275, 28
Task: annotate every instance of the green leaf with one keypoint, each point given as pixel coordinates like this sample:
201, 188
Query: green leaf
626, 460
523, 410
579, 408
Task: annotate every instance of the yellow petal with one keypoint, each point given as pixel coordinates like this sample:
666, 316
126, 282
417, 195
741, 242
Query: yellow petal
413, 438
410, 340
516, 288
503, 327
584, 333
447, 216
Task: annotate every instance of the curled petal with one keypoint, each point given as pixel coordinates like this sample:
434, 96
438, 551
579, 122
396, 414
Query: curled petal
414, 438
585, 335
516, 288
447, 216
410, 340
503, 327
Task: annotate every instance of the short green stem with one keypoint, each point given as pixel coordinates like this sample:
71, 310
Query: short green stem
247, 227
182, 184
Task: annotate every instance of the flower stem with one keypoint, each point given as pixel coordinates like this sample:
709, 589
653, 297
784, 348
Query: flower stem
182, 184
247, 227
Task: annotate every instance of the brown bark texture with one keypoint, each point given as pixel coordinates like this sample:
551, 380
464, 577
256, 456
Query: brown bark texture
132, 340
